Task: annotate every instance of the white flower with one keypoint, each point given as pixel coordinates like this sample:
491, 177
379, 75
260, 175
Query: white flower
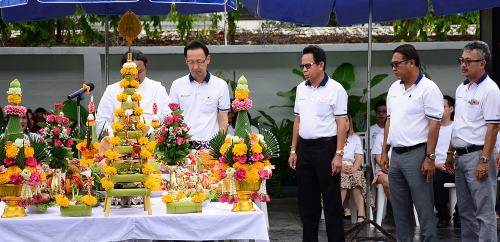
19, 143
236, 139
186, 199
90, 117
261, 138
16, 90
72, 202
242, 87
230, 172
228, 136
155, 118
269, 169
26, 174
129, 65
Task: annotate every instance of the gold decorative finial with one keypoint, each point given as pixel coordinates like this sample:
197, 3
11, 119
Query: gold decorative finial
130, 27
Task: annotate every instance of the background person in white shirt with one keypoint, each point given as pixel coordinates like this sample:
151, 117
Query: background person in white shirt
203, 97
414, 110
380, 177
352, 177
381, 114
150, 90
318, 146
442, 176
477, 116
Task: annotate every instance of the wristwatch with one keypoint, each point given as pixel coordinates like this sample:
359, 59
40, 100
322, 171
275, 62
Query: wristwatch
340, 152
483, 159
431, 156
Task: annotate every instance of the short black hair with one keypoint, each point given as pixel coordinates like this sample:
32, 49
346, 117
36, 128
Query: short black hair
451, 103
409, 53
195, 44
380, 103
136, 55
318, 53
40, 110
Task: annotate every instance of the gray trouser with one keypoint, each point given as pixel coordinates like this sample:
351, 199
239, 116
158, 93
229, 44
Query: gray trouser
409, 187
476, 199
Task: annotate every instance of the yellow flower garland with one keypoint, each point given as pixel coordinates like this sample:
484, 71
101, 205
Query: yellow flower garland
14, 99
114, 140
134, 83
145, 154
111, 155
151, 146
155, 124
116, 126
110, 170
140, 126
138, 111
143, 141
124, 83
11, 151
180, 196
200, 197
122, 97
107, 184
252, 176
256, 148
4, 178
129, 71
258, 165
241, 94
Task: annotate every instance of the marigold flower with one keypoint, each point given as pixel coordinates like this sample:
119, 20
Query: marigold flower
241, 94
32, 169
267, 163
14, 99
43, 177
119, 112
107, 184
224, 147
134, 83
252, 176
151, 146
256, 148
167, 199
240, 149
140, 126
11, 151
89, 200
116, 126
29, 152
143, 141
258, 165
124, 83
200, 197
62, 201
136, 97
114, 140
122, 97
111, 155
180, 196
4, 178
110, 170
138, 111
155, 124
224, 166
96, 145
147, 169
129, 71
81, 145
145, 154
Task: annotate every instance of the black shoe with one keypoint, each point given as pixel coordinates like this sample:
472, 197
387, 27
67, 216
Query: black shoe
443, 223
457, 223
358, 223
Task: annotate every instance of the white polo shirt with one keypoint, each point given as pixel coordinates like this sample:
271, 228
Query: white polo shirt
378, 144
151, 91
318, 108
474, 108
374, 130
443, 143
201, 103
409, 111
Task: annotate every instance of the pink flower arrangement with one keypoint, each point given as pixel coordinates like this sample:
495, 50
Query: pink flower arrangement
239, 105
240, 159
31, 161
14, 110
240, 174
173, 134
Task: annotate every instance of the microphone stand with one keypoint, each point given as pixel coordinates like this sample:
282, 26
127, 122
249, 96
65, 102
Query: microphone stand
79, 99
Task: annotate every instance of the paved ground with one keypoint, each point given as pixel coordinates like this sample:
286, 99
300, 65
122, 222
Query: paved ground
285, 224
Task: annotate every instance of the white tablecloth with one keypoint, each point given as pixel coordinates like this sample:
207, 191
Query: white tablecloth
216, 222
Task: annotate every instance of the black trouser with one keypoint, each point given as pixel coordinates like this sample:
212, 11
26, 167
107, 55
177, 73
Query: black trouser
441, 194
314, 178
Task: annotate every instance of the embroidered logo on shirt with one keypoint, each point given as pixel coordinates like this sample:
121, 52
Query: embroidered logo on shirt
185, 95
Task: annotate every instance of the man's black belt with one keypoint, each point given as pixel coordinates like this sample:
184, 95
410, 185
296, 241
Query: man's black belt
318, 140
401, 150
467, 150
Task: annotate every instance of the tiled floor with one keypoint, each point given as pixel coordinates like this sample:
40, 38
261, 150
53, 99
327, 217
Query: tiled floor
285, 225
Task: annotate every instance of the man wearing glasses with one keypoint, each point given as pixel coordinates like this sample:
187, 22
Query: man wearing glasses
319, 135
472, 152
203, 97
414, 111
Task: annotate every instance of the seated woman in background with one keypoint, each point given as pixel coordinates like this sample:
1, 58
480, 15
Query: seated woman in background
351, 176
24, 118
32, 125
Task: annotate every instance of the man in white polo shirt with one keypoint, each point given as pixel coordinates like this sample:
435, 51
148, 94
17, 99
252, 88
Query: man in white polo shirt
319, 135
414, 110
473, 139
381, 114
203, 97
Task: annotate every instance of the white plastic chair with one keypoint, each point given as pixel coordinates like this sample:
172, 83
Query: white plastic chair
452, 190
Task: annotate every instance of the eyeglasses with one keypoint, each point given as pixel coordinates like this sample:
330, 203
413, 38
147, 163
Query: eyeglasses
395, 64
198, 62
467, 62
307, 65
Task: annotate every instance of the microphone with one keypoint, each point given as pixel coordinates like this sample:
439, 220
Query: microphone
81, 91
